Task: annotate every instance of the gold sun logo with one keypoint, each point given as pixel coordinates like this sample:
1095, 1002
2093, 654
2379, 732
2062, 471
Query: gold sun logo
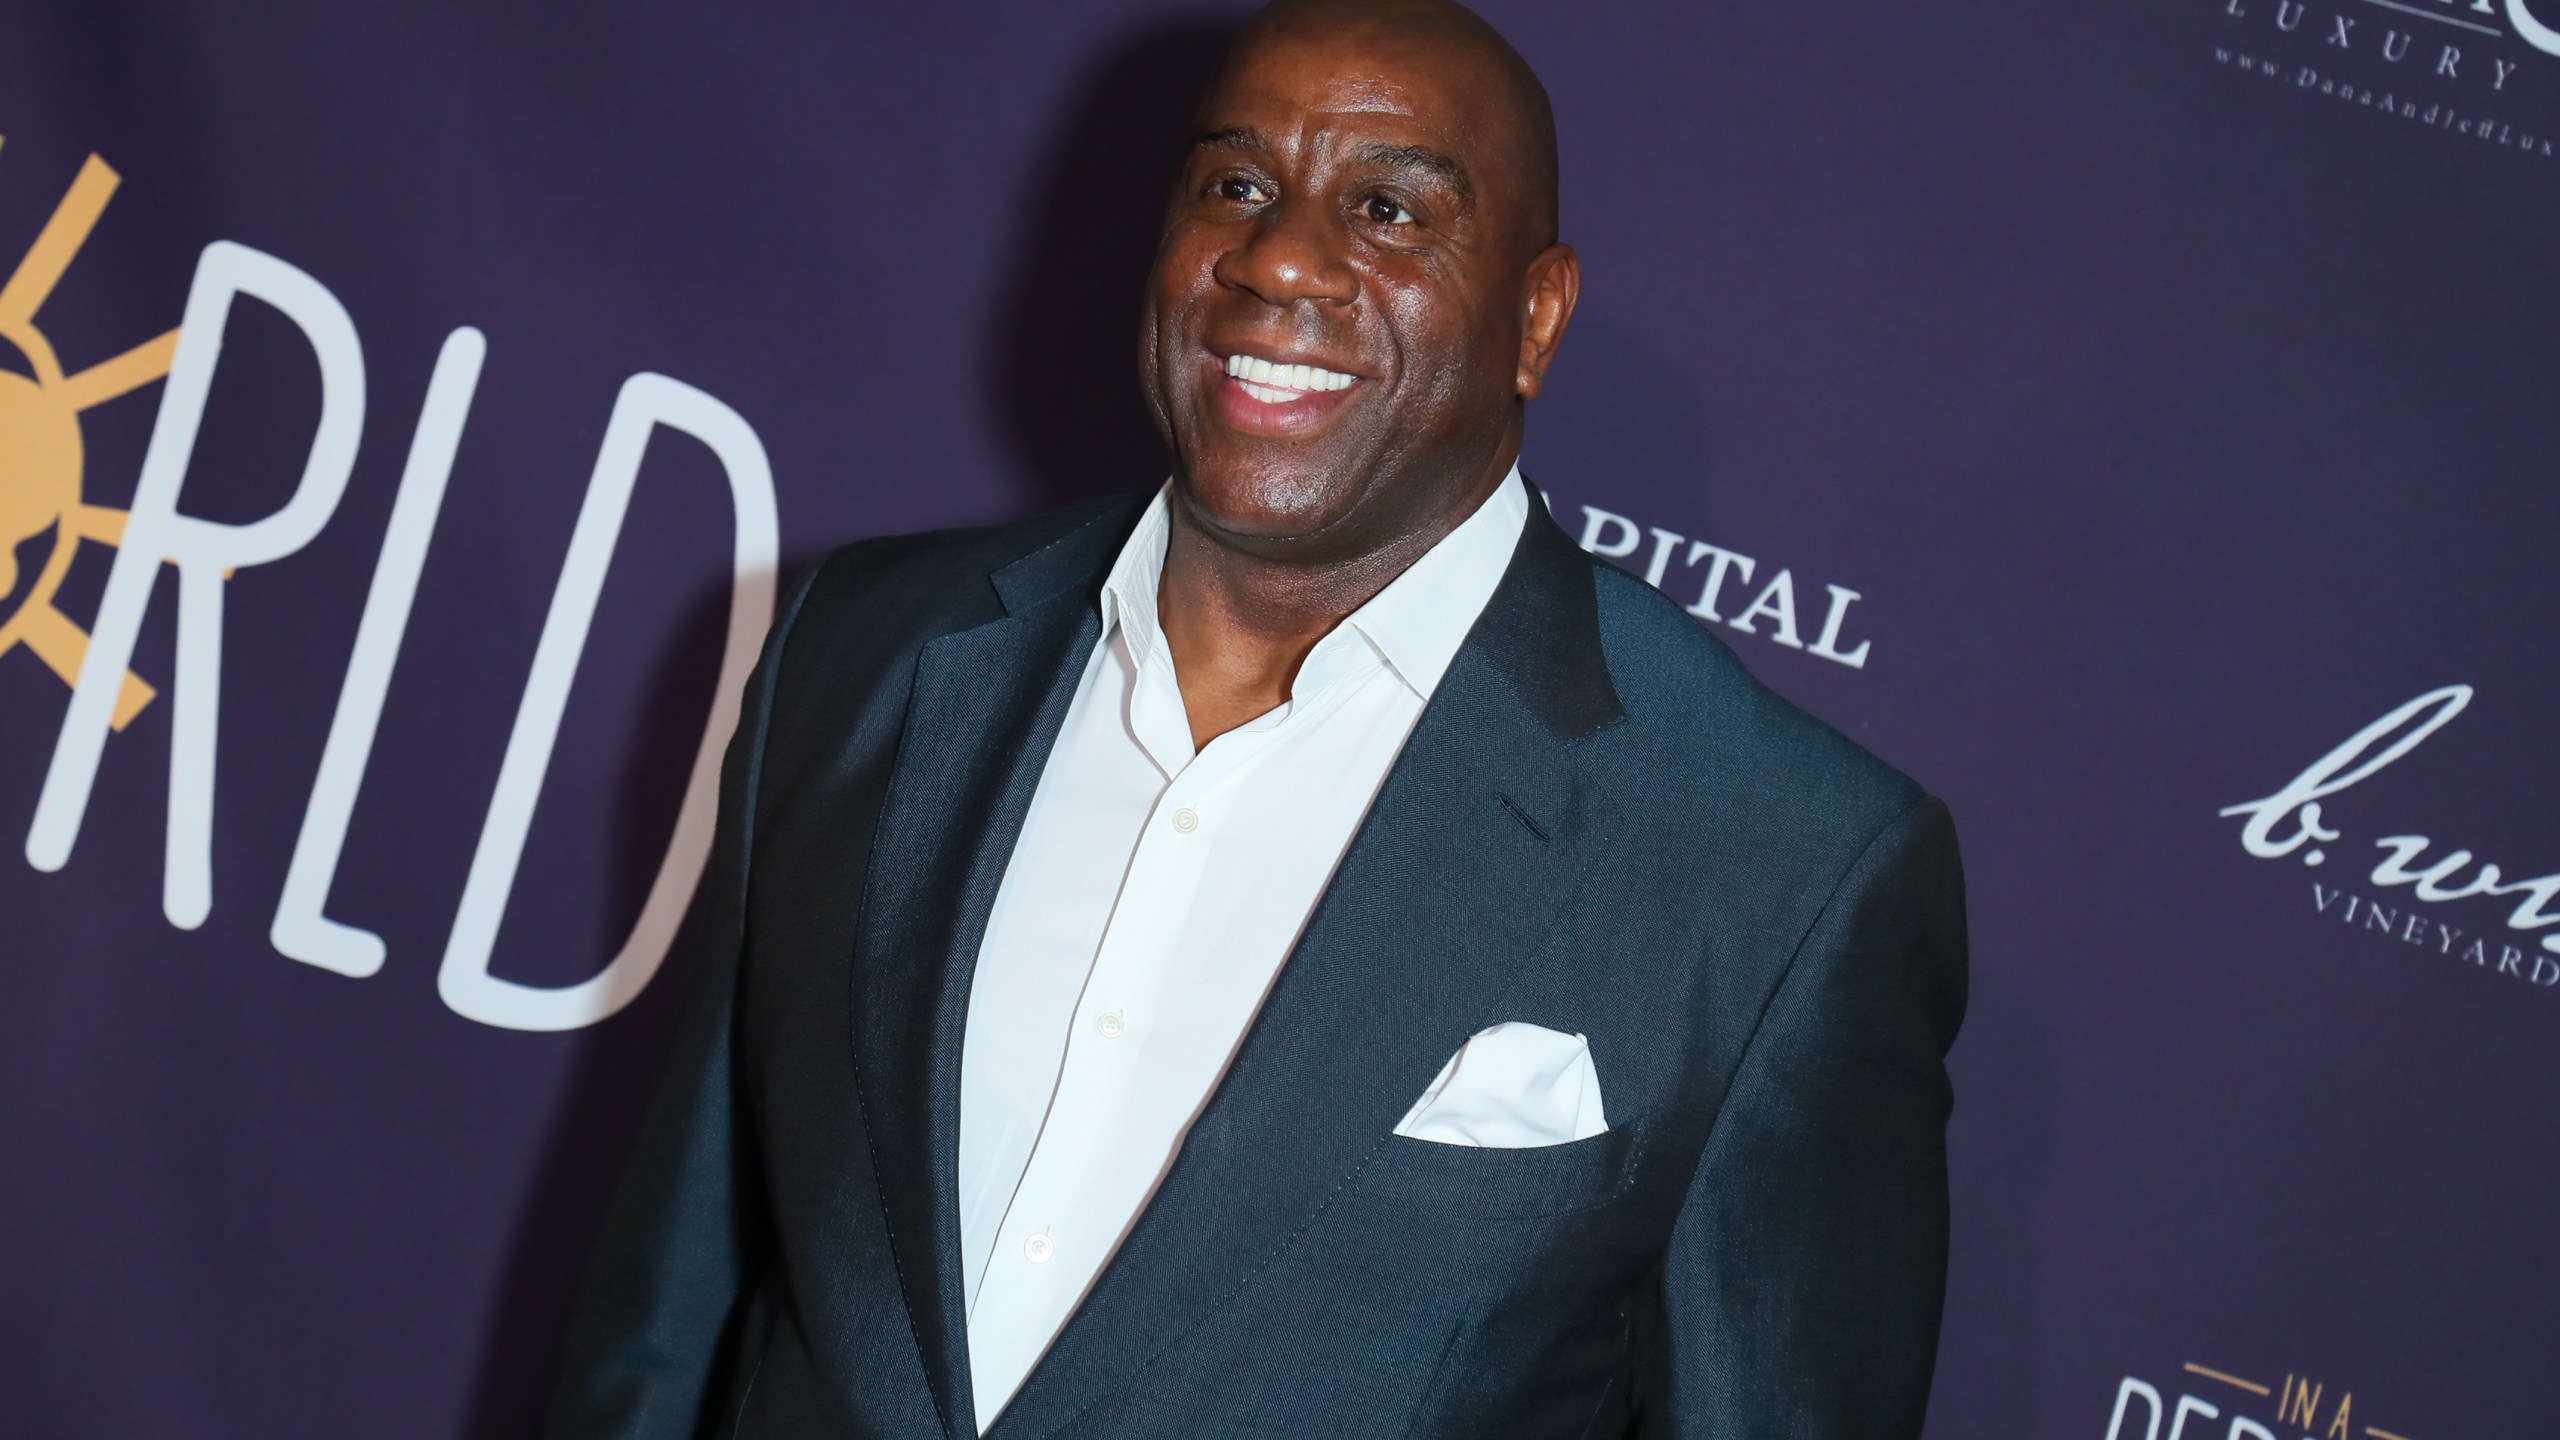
40, 448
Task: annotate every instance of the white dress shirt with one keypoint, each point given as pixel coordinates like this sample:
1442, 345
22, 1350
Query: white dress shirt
1147, 908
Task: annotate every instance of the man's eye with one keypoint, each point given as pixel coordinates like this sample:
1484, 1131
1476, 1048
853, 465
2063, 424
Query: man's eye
1238, 189
1383, 211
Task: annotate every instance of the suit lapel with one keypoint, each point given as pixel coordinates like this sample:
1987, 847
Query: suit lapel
986, 706
1480, 833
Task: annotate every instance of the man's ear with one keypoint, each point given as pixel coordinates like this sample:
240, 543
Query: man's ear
1555, 283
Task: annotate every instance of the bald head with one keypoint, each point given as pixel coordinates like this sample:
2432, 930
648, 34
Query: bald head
1450, 38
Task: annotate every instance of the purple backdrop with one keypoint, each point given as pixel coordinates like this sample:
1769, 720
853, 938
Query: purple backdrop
2170, 383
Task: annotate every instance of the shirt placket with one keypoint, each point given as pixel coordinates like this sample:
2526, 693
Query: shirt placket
1102, 1144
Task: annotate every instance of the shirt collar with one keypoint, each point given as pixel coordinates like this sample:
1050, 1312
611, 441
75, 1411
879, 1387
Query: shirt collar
1416, 624
1423, 616
1136, 579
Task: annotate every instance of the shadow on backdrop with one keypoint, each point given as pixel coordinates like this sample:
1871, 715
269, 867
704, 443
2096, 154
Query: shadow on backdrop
1062, 350
1078, 427
2007, 1068
613, 1070
1614, 407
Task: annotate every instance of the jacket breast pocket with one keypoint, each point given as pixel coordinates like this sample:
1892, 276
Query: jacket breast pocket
1468, 1182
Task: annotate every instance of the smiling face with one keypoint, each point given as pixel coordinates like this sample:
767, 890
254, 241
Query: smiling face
1345, 314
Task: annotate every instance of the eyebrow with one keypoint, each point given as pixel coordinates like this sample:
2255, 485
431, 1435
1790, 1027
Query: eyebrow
1395, 157
1415, 157
1233, 137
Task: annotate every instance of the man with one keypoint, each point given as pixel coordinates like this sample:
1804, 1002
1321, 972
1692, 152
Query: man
1311, 953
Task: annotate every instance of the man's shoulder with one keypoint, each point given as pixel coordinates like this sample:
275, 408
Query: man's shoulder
1711, 734
915, 585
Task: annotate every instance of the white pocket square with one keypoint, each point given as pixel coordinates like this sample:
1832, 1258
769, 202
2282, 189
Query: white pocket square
1512, 1086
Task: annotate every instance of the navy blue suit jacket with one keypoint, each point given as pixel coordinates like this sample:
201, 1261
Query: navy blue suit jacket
1601, 824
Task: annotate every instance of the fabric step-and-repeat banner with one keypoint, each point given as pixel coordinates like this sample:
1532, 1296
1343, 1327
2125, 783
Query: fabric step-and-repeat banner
2137, 419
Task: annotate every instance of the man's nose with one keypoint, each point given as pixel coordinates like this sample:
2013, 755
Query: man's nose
1297, 253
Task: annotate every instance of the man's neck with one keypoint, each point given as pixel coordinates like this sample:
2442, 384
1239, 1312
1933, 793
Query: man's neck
1240, 624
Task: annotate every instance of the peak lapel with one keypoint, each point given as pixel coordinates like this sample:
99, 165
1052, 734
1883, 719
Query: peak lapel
985, 708
1480, 833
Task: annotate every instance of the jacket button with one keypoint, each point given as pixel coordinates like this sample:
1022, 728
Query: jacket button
1037, 1250
1185, 820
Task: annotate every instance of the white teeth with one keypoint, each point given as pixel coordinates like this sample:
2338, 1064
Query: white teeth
1279, 384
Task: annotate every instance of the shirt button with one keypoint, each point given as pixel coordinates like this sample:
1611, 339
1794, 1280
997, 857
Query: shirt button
1112, 1025
1037, 1250
1185, 821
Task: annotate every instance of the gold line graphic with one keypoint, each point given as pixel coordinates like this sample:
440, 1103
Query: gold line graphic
60, 645
131, 370
51, 254
2379, 1433
41, 451
2249, 1385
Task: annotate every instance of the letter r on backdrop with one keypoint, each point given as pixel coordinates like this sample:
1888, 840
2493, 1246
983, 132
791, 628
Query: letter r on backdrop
203, 551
